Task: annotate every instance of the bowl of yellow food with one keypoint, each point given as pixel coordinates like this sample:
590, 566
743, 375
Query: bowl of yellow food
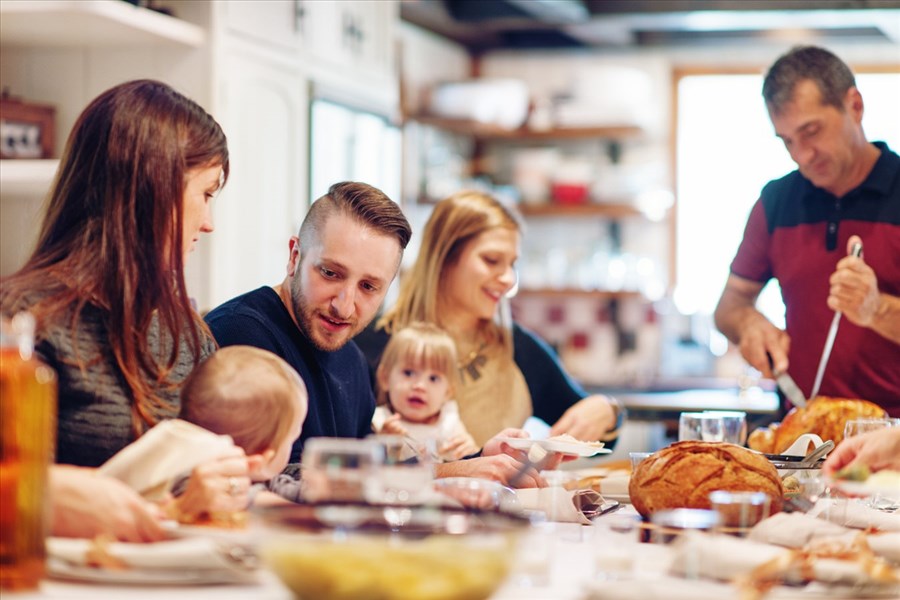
350, 552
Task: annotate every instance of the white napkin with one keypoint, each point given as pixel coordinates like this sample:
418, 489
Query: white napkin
207, 559
719, 556
725, 557
886, 545
167, 451
558, 503
794, 530
856, 515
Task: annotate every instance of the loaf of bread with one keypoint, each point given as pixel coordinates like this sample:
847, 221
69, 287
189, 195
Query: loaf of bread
823, 416
684, 474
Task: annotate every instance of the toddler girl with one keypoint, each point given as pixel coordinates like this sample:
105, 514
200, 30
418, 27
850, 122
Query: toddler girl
416, 379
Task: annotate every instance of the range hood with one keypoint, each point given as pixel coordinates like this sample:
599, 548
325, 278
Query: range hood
482, 25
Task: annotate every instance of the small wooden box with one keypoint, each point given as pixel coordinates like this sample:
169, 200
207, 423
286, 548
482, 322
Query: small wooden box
26, 129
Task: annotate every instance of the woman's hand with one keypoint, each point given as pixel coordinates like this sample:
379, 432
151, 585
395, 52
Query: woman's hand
217, 488
587, 420
85, 504
500, 467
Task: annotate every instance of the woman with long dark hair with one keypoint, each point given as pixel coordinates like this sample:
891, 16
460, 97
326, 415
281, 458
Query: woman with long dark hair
106, 279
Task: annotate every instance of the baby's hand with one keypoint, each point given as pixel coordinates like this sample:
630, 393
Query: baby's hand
392, 425
458, 446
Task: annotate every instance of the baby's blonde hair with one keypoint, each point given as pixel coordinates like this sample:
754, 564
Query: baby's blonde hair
422, 344
247, 393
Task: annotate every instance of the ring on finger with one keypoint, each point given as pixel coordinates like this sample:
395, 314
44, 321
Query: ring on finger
233, 486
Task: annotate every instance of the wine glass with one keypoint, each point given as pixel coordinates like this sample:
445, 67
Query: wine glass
858, 426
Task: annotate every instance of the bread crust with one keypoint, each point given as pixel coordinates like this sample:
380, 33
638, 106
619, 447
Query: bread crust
684, 474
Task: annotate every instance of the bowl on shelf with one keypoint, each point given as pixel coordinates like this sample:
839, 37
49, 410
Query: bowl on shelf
344, 552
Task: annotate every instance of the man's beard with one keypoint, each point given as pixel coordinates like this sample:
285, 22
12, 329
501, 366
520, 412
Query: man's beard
307, 314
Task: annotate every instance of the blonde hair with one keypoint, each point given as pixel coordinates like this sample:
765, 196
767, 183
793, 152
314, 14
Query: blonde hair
247, 393
454, 222
419, 344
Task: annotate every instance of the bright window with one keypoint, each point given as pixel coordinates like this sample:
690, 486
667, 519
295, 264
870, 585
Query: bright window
726, 152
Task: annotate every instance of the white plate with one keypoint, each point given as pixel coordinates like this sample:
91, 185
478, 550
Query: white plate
60, 569
563, 447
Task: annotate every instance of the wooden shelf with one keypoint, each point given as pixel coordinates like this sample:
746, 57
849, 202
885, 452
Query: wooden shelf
488, 132
93, 23
26, 177
576, 293
613, 211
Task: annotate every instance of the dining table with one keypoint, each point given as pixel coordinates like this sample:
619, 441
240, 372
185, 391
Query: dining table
570, 571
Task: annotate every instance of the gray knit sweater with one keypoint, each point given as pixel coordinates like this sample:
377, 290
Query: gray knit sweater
95, 404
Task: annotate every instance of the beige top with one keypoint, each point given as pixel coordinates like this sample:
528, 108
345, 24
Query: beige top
497, 399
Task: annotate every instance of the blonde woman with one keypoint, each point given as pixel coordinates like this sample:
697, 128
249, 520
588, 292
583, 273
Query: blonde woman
460, 281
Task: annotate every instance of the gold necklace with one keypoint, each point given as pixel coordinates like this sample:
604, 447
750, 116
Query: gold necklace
472, 363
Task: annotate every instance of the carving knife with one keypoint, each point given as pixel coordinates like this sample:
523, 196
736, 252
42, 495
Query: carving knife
790, 389
829, 341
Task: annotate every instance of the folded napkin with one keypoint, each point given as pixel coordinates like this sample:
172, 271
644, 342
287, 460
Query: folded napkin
560, 504
857, 515
794, 530
199, 559
886, 545
730, 558
167, 451
722, 557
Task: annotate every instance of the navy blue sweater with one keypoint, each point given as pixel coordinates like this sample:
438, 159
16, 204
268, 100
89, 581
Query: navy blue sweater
341, 400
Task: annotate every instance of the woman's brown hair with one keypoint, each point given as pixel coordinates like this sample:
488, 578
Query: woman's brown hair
112, 233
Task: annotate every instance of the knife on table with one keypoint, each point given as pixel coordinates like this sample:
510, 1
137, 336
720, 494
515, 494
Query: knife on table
832, 333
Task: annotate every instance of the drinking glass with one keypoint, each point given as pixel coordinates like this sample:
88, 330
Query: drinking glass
406, 473
668, 525
740, 511
734, 425
533, 565
337, 469
636, 458
616, 545
707, 427
857, 426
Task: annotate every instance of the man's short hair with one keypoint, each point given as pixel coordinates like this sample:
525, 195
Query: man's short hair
830, 74
368, 205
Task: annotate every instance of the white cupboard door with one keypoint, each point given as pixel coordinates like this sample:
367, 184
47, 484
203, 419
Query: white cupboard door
278, 23
356, 36
264, 112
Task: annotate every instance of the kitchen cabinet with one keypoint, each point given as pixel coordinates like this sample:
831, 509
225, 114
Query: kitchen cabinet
263, 108
253, 65
275, 23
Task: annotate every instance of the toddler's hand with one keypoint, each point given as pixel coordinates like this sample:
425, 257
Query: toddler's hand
392, 426
458, 446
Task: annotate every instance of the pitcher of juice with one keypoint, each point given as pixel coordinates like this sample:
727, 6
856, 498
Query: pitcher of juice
27, 441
